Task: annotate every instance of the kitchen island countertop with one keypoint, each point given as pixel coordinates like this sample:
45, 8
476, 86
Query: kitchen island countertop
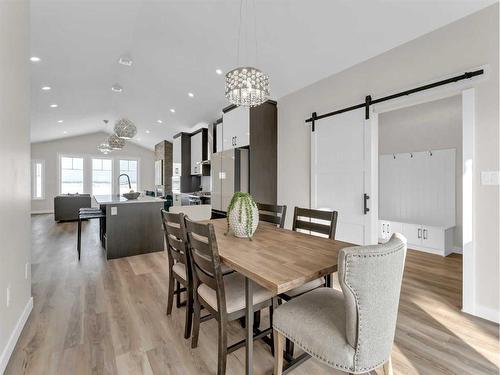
118, 199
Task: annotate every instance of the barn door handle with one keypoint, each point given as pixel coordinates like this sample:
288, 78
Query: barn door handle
365, 203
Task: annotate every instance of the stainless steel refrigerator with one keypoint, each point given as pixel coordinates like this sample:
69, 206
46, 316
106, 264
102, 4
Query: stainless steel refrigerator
230, 173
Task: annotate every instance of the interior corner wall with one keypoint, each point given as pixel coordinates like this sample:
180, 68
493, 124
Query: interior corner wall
84, 145
464, 44
15, 224
435, 125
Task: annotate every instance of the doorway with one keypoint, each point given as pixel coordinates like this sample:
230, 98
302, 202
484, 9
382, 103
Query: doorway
461, 105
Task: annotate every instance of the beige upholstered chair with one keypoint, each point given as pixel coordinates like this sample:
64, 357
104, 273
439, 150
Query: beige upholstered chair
353, 330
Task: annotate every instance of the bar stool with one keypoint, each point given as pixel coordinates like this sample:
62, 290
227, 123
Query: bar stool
88, 213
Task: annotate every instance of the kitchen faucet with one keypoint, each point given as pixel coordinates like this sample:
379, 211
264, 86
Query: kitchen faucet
128, 178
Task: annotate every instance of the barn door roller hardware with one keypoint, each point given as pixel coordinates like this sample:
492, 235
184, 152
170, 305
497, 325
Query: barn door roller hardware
369, 101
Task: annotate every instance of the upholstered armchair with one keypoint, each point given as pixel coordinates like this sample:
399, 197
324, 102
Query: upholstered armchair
350, 330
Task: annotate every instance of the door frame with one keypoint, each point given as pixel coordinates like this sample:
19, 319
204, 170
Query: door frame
467, 91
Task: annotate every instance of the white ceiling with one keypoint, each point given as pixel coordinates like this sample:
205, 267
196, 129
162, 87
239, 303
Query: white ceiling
176, 45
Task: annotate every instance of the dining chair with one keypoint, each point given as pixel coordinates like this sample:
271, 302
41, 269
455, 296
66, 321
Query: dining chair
350, 330
325, 223
222, 296
271, 213
179, 267
308, 219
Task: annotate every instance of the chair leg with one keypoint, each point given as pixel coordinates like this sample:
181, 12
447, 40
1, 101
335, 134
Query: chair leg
278, 340
388, 367
170, 300
256, 320
178, 298
222, 349
79, 238
189, 314
271, 314
289, 347
196, 323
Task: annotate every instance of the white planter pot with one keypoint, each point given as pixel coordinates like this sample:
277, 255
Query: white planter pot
239, 228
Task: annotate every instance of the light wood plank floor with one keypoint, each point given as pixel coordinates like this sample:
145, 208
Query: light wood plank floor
98, 317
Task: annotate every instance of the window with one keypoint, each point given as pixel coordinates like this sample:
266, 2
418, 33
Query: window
37, 179
129, 167
71, 175
102, 177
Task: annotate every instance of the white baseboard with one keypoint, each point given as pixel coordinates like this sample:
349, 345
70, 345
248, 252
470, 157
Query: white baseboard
42, 212
11, 343
487, 313
457, 250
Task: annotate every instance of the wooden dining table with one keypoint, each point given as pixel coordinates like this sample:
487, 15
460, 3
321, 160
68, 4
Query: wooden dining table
279, 260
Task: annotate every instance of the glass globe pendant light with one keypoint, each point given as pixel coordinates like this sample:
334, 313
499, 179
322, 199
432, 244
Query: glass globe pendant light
105, 148
125, 129
115, 142
246, 85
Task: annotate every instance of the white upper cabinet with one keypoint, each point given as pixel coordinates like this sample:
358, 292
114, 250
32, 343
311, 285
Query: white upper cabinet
196, 153
176, 157
236, 128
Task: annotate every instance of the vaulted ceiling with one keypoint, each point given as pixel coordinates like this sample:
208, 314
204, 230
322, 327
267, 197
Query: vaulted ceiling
177, 45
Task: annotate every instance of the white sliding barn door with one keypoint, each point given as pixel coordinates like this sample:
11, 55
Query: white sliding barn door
344, 151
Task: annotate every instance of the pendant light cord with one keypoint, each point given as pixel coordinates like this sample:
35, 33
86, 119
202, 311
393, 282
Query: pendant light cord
238, 56
255, 32
239, 34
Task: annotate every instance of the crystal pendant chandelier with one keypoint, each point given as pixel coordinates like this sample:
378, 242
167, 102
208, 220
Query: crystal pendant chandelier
247, 86
125, 129
104, 148
115, 142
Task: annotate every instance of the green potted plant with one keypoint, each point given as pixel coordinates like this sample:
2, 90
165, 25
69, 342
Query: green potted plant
242, 215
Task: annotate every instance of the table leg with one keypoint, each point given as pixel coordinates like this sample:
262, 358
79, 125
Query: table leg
79, 238
249, 326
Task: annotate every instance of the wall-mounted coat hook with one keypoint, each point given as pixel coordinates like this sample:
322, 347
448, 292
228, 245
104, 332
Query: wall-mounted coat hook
411, 154
394, 156
430, 153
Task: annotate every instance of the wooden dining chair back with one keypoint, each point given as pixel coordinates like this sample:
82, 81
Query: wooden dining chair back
272, 213
173, 225
205, 260
307, 219
179, 266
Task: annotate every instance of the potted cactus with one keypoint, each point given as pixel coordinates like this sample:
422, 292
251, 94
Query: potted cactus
242, 215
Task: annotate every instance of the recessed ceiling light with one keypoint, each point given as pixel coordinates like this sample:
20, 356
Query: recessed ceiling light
116, 88
159, 121
53, 106
138, 139
35, 59
172, 110
59, 121
190, 94
46, 88
147, 132
125, 61
65, 132
218, 71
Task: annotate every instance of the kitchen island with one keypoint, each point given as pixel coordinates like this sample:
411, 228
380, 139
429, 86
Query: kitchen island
131, 227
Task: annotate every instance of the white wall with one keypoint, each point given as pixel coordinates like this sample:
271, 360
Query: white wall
467, 43
15, 225
85, 145
435, 125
